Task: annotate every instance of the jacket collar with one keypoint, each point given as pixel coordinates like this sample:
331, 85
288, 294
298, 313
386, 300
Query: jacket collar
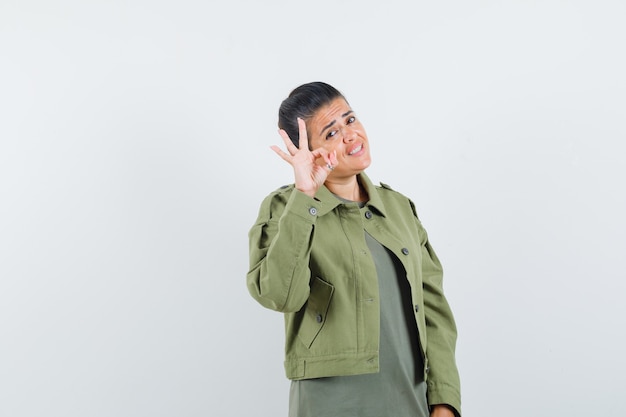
328, 201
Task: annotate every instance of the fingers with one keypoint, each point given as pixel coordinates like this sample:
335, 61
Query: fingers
325, 158
303, 142
300, 152
331, 160
291, 148
288, 143
280, 153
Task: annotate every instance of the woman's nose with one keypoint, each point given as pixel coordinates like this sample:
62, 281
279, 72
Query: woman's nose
348, 134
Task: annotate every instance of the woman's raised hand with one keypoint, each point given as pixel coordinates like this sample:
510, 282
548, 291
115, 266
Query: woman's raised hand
311, 168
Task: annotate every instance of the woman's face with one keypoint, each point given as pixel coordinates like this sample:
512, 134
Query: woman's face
335, 127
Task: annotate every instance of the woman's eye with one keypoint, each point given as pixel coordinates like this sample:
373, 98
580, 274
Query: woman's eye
331, 134
351, 119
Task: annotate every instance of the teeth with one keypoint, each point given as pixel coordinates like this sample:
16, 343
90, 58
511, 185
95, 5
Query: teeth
355, 150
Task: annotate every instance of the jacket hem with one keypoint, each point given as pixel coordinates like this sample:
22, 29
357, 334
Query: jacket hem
320, 367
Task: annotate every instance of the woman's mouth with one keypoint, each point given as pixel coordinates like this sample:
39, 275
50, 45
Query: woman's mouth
355, 150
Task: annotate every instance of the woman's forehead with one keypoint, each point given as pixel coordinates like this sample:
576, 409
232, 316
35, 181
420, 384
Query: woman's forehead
336, 109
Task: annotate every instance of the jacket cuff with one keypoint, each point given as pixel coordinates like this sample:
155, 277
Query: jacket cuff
442, 393
302, 206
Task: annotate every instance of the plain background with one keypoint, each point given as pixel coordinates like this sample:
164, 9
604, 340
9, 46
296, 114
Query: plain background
135, 152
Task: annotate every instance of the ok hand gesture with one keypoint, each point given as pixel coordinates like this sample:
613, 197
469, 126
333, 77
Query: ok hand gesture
311, 168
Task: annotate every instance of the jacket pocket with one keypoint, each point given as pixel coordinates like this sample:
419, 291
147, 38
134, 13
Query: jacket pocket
315, 311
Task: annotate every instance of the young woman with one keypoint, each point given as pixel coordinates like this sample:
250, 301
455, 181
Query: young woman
369, 332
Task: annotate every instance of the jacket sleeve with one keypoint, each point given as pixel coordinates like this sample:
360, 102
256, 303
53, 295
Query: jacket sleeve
443, 377
280, 247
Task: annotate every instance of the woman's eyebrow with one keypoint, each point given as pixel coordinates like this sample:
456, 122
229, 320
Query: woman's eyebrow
327, 126
333, 122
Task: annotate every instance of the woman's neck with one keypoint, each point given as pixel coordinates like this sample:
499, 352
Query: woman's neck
347, 188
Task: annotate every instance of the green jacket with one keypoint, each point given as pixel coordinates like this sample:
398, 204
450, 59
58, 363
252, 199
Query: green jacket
309, 260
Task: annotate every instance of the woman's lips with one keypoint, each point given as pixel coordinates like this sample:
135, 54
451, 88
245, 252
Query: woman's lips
356, 150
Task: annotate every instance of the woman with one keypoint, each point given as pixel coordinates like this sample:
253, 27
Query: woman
369, 332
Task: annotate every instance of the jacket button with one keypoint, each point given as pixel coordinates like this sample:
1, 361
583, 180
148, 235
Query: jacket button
368, 214
318, 318
417, 308
313, 211
405, 251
